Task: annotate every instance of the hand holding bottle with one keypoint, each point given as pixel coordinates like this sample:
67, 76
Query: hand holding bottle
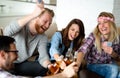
61, 62
53, 69
68, 57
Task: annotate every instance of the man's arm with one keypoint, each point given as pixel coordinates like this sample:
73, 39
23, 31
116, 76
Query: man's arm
37, 11
16, 25
42, 49
115, 56
68, 72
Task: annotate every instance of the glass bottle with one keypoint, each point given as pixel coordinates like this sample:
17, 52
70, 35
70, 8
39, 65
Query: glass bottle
75, 56
53, 69
68, 57
59, 60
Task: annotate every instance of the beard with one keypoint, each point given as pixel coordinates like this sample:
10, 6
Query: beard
39, 29
8, 65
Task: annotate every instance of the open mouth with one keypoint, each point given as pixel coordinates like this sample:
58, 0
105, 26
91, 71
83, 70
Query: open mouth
71, 37
43, 28
104, 29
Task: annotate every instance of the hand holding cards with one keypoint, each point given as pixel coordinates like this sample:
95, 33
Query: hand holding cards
106, 44
109, 44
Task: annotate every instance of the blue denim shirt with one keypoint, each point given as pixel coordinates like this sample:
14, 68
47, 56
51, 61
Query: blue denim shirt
56, 45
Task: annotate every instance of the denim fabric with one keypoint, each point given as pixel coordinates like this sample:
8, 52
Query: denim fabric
56, 45
119, 72
105, 70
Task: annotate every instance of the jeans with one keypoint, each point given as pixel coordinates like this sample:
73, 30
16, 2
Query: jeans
105, 70
119, 72
29, 68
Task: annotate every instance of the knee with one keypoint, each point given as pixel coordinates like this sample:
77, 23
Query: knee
118, 75
112, 71
113, 68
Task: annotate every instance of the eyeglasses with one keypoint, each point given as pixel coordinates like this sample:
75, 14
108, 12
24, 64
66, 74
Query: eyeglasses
12, 51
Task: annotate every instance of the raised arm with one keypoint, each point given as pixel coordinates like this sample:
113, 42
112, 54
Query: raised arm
17, 25
39, 7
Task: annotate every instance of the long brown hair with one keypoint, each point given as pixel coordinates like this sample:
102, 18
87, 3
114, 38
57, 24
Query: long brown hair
77, 41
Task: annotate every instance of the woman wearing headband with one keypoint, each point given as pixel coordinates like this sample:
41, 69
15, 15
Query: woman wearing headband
102, 47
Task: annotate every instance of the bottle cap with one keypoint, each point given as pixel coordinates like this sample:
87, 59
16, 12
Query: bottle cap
75, 55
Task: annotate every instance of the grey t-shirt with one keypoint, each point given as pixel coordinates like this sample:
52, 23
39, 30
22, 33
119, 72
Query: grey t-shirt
26, 43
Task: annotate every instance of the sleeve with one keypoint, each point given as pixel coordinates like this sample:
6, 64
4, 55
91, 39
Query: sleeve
55, 42
115, 56
38, 77
5, 74
87, 44
116, 51
42, 49
12, 28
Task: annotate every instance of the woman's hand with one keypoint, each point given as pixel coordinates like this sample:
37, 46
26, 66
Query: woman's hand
106, 48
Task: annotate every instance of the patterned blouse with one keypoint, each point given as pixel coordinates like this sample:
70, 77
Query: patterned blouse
5, 74
93, 56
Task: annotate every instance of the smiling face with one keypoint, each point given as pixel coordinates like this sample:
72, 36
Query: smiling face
43, 23
104, 28
104, 20
10, 57
73, 32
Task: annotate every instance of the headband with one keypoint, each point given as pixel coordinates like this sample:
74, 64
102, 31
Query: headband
103, 18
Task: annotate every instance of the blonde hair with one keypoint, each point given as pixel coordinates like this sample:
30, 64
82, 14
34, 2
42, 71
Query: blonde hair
113, 36
49, 11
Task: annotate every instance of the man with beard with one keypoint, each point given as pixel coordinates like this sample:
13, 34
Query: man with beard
31, 41
8, 54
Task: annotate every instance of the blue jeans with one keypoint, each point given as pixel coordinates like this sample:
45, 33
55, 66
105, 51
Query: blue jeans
119, 72
105, 70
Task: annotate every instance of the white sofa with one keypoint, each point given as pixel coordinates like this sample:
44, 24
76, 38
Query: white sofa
53, 28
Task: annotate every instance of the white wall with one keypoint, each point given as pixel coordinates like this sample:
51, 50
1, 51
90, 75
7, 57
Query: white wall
19, 7
86, 10
66, 10
116, 12
16, 9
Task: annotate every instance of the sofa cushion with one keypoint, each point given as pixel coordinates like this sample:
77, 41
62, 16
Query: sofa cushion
1, 31
53, 28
